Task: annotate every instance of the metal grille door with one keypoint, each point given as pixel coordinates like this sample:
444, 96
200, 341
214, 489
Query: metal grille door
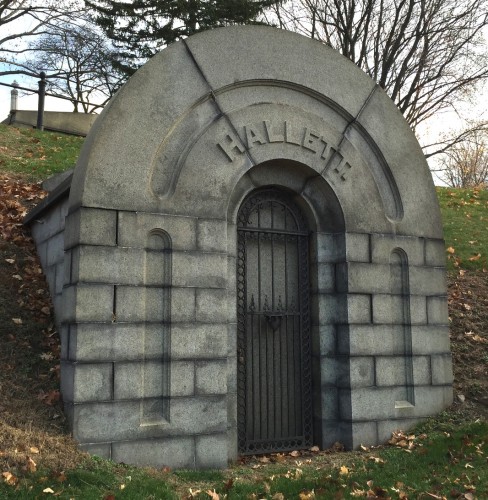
274, 351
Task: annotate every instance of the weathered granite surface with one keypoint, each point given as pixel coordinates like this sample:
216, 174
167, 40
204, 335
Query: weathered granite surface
149, 312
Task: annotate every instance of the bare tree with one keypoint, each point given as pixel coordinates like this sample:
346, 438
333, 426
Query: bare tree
80, 64
22, 20
465, 165
426, 54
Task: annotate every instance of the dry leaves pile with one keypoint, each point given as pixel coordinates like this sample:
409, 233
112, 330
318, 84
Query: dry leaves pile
405, 441
31, 416
16, 198
468, 316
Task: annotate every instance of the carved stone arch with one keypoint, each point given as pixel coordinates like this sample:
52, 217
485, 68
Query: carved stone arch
324, 219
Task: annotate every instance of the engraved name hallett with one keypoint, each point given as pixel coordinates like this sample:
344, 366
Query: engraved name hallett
266, 132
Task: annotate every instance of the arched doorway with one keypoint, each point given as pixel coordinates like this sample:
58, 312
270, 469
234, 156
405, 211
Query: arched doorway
273, 314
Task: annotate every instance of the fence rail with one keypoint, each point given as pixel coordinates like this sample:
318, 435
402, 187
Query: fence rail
41, 92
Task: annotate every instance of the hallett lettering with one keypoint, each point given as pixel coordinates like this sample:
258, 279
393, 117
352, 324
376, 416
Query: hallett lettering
267, 132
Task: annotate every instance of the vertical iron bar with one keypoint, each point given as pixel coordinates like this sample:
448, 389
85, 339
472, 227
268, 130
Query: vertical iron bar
41, 98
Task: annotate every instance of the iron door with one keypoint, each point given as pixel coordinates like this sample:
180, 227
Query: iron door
273, 345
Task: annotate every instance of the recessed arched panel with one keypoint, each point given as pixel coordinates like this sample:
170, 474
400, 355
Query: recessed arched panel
400, 294
156, 368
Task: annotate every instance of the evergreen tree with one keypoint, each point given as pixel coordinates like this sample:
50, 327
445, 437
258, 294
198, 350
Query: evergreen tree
140, 28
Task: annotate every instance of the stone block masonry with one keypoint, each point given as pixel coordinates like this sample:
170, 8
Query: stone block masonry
252, 259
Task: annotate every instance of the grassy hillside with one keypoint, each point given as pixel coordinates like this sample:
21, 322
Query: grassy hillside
443, 458
36, 155
465, 221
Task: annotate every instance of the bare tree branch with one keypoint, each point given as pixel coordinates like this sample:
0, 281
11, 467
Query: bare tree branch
22, 20
426, 54
80, 63
465, 164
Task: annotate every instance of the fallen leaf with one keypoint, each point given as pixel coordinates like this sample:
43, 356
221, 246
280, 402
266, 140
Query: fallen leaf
278, 496
9, 478
306, 495
30, 466
478, 338
344, 470
33, 449
475, 257
450, 250
49, 397
314, 449
294, 453
61, 477
357, 493
228, 485
10, 261
48, 490
17, 321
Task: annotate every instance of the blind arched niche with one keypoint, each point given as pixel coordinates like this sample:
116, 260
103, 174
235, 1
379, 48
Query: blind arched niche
156, 366
400, 293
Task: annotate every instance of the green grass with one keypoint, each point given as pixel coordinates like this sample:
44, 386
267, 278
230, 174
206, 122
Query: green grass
465, 222
37, 155
98, 479
446, 459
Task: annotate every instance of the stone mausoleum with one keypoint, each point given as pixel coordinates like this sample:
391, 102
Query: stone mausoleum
250, 259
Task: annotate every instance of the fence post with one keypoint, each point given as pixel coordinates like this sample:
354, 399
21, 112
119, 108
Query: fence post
40, 106
14, 96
